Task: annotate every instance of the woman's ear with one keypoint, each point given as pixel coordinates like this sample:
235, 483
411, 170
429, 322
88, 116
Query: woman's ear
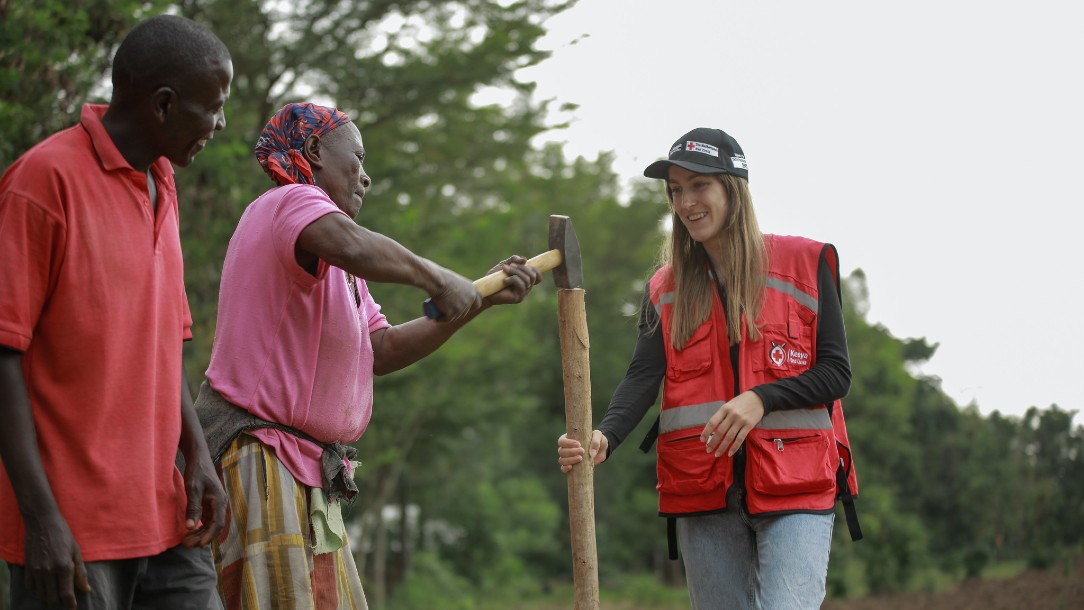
311, 150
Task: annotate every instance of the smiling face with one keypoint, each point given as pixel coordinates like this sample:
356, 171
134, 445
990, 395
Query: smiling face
194, 112
699, 201
337, 161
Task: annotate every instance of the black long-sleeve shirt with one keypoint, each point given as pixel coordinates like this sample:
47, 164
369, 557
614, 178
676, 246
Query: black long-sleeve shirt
825, 381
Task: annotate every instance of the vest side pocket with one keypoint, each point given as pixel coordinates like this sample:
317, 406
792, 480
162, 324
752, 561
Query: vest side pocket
791, 462
685, 467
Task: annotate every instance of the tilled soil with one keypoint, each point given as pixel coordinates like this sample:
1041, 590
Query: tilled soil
1060, 588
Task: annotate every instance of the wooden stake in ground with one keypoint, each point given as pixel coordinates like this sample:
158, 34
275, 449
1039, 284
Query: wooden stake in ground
576, 366
564, 259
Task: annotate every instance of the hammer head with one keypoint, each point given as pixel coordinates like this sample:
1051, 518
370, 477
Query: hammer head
569, 274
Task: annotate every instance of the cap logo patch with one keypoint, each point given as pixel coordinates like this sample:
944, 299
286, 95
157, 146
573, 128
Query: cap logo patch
676, 148
739, 162
702, 148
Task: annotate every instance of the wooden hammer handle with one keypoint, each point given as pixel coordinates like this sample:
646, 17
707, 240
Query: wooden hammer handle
494, 282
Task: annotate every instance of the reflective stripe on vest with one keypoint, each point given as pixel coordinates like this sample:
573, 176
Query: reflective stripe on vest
692, 416
794, 292
786, 288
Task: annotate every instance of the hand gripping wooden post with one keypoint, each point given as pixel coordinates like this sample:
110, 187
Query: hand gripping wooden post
576, 366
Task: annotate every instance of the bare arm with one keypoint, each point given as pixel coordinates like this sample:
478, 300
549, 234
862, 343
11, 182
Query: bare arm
404, 344
54, 565
205, 514
342, 243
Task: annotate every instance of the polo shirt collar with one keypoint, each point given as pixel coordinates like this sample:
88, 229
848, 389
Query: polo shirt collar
108, 155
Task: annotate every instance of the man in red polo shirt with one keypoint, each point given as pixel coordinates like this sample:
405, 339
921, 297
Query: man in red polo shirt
93, 313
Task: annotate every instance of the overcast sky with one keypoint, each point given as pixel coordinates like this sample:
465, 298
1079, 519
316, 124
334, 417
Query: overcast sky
938, 145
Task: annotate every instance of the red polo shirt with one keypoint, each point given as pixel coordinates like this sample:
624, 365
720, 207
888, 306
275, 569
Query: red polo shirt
92, 293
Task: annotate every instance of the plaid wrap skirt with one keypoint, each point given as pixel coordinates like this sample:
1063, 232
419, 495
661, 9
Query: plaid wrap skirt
264, 557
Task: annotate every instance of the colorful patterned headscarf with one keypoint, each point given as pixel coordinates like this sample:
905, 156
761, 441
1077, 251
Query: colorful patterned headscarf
279, 148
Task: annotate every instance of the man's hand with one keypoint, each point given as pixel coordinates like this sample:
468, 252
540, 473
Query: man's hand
52, 561
54, 565
205, 515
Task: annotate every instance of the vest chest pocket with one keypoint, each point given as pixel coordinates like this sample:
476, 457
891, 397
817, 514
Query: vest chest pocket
786, 348
695, 359
790, 462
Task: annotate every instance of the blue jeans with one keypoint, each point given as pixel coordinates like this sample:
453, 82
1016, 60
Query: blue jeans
733, 562
177, 579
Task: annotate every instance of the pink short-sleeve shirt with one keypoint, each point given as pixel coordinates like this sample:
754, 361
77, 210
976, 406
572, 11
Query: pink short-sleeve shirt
291, 347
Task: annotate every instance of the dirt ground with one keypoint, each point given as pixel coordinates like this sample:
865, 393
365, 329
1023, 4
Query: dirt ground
1060, 588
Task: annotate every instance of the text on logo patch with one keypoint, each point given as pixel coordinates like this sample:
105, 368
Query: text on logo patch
780, 354
702, 148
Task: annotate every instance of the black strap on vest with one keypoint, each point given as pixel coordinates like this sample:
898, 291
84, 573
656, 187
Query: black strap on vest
651, 436
671, 537
848, 503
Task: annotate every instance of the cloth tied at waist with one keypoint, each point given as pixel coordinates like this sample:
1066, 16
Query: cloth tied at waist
222, 421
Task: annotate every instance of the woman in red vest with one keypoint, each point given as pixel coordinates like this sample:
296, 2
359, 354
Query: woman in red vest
744, 334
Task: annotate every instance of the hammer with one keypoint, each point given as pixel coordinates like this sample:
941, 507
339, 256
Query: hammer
563, 258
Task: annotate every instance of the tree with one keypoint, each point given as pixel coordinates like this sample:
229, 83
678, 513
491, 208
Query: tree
53, 56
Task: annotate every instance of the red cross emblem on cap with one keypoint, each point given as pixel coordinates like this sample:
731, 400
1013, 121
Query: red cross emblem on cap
689, 146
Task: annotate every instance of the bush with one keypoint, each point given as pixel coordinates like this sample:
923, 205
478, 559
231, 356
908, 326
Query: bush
974, 561
430, 584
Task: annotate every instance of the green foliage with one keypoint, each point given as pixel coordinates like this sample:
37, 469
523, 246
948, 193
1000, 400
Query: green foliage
649, 592
54, 55
433, 584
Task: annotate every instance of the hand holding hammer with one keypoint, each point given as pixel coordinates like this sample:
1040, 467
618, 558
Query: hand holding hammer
563, 258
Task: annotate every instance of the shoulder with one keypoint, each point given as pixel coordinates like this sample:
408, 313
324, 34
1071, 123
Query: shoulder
298, 197
54, 155
792, 243
779, 246
290, 199
661, 281
40, 174
788, 251
662, 274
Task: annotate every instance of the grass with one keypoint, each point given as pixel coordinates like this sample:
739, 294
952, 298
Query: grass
633, 593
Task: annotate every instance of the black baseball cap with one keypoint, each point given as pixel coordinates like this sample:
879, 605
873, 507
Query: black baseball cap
703, 151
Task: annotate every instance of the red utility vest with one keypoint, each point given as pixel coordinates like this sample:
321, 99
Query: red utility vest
795, 459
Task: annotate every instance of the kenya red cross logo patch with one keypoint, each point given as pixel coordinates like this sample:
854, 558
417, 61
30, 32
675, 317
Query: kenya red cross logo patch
778, 354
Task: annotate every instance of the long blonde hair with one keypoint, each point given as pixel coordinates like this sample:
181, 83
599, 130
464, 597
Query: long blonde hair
743, 271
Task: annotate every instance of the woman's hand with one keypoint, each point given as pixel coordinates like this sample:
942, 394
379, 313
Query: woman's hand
727, 429
570, 452
521, 278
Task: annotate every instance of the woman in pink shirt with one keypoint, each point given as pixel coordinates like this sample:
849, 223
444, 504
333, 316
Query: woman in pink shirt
293, 359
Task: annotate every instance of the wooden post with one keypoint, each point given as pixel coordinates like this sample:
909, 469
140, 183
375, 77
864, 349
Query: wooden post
575, 361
